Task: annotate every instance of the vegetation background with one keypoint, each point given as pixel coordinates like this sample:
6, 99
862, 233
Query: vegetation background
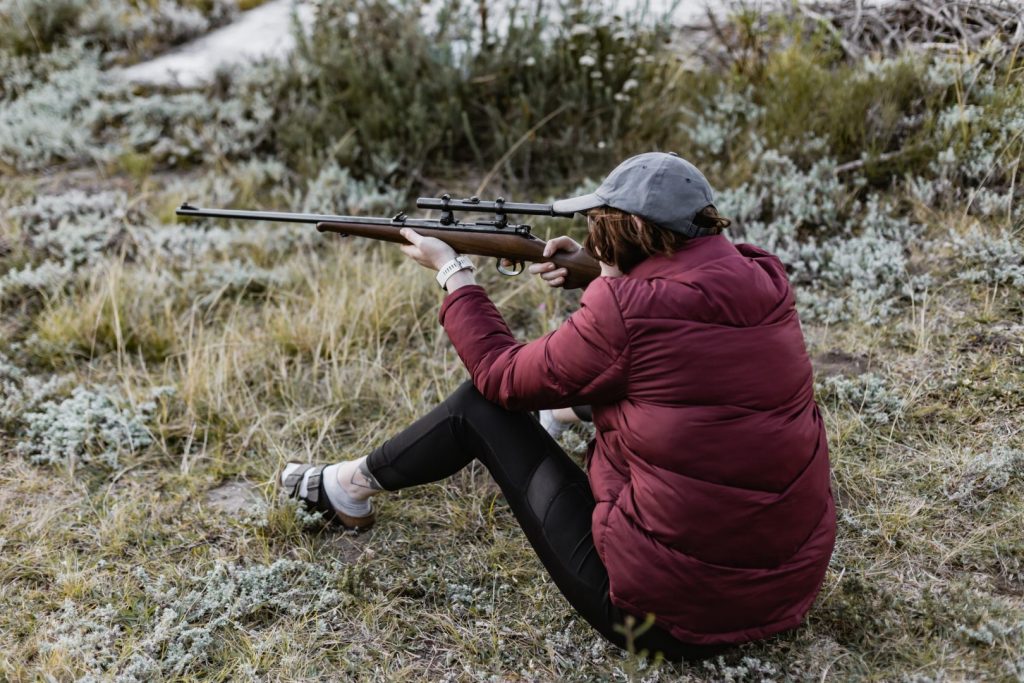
154, 375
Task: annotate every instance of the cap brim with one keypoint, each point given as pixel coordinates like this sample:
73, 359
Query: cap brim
578, 204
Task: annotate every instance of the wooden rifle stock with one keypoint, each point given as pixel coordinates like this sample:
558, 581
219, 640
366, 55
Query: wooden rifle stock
517, 247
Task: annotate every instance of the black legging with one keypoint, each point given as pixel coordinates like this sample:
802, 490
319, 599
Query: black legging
546, 490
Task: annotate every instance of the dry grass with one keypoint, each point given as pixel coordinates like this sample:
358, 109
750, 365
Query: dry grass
346, 352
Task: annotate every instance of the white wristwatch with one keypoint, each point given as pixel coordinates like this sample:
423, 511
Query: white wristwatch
455, 265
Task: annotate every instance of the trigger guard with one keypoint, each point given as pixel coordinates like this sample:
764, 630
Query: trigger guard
517, 267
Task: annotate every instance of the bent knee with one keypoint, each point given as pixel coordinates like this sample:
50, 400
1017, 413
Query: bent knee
465, 393
468, 401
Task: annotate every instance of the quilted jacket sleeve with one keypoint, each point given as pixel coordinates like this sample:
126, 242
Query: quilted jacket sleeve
583, 361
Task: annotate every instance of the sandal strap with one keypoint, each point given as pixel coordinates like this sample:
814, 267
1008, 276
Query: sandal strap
313, 485
294, 479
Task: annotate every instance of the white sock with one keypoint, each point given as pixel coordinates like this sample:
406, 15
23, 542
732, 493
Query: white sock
551, 424
337, 496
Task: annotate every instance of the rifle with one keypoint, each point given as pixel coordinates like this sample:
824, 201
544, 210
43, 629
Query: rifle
498, 238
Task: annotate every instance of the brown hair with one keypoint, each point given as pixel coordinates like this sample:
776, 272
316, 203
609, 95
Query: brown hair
615, 238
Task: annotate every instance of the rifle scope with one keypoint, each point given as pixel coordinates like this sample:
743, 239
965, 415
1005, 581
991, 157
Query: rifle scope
499, 206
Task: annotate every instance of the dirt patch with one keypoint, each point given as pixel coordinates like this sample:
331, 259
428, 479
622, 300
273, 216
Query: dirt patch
832, 363
349, 546
235, 497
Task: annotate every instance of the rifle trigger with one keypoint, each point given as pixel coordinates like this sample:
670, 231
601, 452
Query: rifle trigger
517, 267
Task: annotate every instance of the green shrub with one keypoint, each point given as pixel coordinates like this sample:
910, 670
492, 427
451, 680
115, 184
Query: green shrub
862, 113
375, 91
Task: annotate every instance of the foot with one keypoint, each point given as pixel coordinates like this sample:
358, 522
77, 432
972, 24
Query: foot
317, 486
355, 478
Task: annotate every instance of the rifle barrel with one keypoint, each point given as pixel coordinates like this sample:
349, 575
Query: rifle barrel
277, 216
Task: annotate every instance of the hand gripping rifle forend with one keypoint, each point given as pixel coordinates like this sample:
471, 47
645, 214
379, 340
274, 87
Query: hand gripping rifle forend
497, 238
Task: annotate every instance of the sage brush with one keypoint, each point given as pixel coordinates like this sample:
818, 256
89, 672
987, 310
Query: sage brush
985, 473
87, 427
869, 395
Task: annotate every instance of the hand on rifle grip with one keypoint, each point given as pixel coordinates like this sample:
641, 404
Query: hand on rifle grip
549, 271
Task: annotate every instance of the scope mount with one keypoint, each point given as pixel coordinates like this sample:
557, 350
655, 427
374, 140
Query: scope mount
501, 208
449, 206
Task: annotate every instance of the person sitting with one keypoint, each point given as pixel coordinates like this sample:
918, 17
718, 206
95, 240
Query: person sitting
705, 504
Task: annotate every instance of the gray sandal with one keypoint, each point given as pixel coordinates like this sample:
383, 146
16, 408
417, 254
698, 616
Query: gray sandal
316, 497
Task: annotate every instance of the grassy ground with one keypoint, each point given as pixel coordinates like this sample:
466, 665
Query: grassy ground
155, 376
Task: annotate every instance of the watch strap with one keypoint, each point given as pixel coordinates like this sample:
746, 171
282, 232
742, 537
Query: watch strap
455, 265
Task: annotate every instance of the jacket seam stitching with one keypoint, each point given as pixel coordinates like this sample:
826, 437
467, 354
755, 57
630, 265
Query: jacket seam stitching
627, 346
611, 366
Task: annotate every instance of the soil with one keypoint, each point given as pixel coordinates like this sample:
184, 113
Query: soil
832, 363
235, 497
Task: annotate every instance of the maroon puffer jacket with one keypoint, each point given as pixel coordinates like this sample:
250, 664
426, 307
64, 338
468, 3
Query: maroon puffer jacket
710, 463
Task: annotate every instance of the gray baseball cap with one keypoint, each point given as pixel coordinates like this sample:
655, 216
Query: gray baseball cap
662, 188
